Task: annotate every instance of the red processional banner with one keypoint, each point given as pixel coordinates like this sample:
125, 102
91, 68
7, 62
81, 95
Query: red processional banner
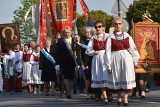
61, 13
43, 23
85, 9
57, 14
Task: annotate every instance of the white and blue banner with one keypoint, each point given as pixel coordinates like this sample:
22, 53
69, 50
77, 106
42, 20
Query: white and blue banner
48, 56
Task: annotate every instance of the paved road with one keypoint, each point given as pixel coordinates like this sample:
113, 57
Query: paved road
29, 100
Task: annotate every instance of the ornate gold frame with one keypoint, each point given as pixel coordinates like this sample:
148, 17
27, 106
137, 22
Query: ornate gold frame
150, 31
15, 34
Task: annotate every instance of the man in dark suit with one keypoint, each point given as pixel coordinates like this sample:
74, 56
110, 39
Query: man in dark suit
67, 53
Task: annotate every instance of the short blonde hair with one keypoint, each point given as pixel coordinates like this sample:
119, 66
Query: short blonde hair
47, 39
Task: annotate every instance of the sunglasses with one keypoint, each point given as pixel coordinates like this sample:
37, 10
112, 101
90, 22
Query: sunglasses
66, 32
99, 26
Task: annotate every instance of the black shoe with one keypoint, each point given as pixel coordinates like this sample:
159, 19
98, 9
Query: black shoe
110, 98
81, 91
92, 98
68, 97
134, 96
125, 104
46, 94
98, 99
62, 93
75, 92
53, 94
119, 103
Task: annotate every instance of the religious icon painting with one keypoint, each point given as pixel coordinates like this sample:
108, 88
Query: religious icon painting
147, 40
61, 11
9, 36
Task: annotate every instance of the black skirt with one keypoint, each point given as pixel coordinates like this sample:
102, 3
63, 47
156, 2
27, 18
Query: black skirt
48, 74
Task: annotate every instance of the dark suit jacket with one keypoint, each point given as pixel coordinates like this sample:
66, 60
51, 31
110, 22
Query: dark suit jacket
62, 55
48, 68
85, 58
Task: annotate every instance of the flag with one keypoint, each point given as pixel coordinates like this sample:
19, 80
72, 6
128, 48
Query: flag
27, 13
89, 22
35, 18
27, 28
86, 13
76, 30
61, 14
43, 23
74, 24
54, 16
26, 24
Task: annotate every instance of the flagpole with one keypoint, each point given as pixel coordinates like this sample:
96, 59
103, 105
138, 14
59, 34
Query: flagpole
75, 15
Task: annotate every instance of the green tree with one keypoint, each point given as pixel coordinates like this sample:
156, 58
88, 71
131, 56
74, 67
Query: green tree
139, 8
96, 15
19, 18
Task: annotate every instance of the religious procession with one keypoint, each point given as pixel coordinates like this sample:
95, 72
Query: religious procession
108, 64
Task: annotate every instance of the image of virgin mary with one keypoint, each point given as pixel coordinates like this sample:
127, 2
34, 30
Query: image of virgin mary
61, 11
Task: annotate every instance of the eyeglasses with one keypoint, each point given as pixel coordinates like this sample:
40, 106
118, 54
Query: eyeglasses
99, 26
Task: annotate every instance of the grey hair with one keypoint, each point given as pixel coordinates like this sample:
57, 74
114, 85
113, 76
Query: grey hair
93, 31
66, 28
117, 18
85, 28
48, 39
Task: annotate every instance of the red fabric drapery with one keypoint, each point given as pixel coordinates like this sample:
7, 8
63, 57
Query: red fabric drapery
43, 24
60, 13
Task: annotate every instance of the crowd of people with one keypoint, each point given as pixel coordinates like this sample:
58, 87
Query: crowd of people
99, 62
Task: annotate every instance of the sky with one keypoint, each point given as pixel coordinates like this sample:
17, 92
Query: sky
7, 7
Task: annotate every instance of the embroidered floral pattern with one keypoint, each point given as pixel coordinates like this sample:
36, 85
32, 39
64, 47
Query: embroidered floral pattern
114, 83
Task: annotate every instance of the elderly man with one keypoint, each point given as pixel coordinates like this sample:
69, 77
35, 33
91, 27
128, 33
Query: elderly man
67, 52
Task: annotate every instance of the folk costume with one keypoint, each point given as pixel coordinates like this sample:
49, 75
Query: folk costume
100, 62
18, 65
36, 73
26, 76
124, 56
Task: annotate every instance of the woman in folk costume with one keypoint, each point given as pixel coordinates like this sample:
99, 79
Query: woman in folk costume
124, 57
48, 67
26, 76
67, 52
100, 62
36, 73
18, 65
